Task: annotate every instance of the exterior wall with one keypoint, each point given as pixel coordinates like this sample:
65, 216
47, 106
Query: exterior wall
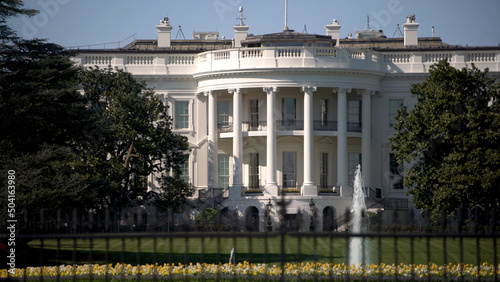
364, 75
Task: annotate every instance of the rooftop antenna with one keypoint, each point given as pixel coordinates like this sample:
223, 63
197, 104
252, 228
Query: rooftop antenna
305, 29
241, 18
286, 16
397, 32
179, 32
432, 31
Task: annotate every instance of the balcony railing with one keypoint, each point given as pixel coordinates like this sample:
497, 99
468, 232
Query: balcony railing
328, 190
290, 57
254, 126
354, 126
286, 125
226, 127
252, 190
289, 125
325, 125
293, 190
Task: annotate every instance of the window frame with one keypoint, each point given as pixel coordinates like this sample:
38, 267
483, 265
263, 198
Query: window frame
285, 114
254, 104
226, 116
285, 181
394, 111
396, 176
323, 170
354, 119
226, 177
186, 116
253, 171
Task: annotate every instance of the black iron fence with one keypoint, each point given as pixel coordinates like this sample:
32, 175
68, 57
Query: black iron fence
144, 244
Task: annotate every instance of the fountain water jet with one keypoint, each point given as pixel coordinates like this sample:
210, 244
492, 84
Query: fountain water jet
358, 208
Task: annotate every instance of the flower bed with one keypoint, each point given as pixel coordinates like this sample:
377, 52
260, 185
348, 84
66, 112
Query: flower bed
320, 271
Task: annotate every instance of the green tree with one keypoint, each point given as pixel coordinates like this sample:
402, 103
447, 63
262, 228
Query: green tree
451, 142
41, 119
133, 141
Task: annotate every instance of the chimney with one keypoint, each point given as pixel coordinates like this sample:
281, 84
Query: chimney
333, 30
240, 30
411, 32
164, 33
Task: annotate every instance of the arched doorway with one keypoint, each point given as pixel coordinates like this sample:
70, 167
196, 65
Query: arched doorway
329, 219
252, 219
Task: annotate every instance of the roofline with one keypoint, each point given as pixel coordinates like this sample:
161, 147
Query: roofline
438, 49
121, 50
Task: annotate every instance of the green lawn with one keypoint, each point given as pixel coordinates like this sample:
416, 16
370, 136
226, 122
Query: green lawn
258, 250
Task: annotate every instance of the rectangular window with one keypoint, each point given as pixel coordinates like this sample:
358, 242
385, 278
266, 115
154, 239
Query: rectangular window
354, 114
324, 111
254, 171
289, 177
354, 161
184, 167
181, 114
289, 111
254, 114
395, 168
223, 170
394, 106
223, 113
323, 177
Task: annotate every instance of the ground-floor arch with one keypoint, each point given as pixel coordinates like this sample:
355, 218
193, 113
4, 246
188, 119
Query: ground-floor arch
252, 219
329, 219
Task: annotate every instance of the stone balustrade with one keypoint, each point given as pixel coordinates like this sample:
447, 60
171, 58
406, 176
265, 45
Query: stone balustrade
411, 61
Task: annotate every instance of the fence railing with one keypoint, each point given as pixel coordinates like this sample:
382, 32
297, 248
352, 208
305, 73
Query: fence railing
78, 246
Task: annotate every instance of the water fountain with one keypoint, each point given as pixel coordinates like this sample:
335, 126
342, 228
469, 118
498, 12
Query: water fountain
358, 208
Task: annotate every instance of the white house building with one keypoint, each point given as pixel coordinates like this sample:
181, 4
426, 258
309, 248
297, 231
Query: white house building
289, 114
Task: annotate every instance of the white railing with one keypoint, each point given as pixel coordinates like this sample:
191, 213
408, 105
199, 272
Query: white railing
481, 57
289, 52
222, 55
252, 53
181, 59
140, 60
293, 57
358, 55
326, 52
397, 58
436, 57
97, 60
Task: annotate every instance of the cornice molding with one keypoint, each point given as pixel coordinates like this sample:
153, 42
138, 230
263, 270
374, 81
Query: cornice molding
239, 72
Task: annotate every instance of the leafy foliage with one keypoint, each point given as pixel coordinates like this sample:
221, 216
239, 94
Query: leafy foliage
134, 140
74, 151
451, 140
41, 119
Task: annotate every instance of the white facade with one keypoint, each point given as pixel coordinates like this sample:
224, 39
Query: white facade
272, 121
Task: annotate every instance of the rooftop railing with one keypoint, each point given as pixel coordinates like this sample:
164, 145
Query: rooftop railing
411, 61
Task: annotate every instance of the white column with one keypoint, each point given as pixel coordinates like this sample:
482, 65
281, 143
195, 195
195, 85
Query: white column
366, 136
342, 161
237, 144
308, 188
271, 184
212, 139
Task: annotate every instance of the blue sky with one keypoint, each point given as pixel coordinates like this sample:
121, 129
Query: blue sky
83, 22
